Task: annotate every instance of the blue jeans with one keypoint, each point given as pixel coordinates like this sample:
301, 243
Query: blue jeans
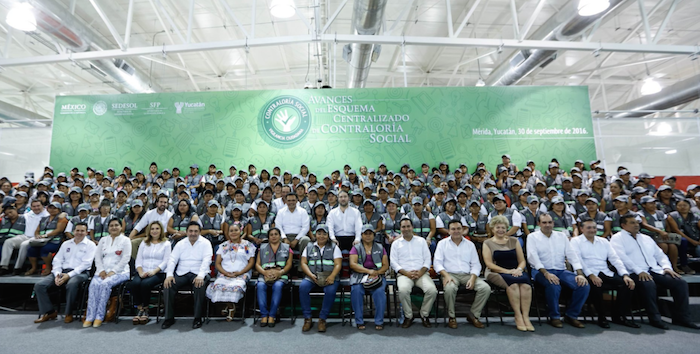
261, 288
328, 298
357, 296
552, 291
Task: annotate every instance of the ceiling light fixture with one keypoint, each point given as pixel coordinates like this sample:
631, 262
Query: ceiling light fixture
283, 8
592, 7
21, 17
480, 82
671, 152
650, 87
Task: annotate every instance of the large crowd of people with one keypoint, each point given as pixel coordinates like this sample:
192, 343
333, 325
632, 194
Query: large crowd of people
428, 227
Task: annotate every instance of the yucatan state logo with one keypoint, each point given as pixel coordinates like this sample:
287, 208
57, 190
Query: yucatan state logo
284, 121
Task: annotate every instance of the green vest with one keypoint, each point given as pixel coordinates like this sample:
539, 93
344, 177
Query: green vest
656, 220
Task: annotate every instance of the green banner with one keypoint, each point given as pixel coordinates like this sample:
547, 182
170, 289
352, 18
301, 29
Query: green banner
324, 129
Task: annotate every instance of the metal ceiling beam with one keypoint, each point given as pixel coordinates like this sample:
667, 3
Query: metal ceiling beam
384, 40
113, 30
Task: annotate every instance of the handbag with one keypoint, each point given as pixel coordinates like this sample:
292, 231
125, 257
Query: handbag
672, 238
321, 278
371, 283
39, 242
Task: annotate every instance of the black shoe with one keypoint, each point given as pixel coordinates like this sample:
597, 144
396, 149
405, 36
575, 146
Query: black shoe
17, 271
686, 324
627, 323
272, 324
659, 325
4, 271
167, 323
197, 323
602, 322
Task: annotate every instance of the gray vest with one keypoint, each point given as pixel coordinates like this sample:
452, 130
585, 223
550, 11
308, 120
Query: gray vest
269, 259
320, 261
377, 254
421, 224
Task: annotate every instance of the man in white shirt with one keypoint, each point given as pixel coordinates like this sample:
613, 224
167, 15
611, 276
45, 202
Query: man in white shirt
189, 264
458, 263
345, 223
160, 213
410, 259
649, 266
595, 253
280, 202
31, 220
547, 251
71, 266
294, 224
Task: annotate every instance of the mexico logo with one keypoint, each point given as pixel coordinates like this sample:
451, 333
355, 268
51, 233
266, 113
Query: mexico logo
99, 108
284, 121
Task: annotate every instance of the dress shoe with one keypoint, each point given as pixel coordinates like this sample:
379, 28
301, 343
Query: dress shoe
475, 322
626, 322
575, 323
426, 322
686, 324
407, 322
4, 271
97, 323
659, 324
308, 323
47, 317
452, 323
603, 323
68, 319
87, 324
556, 323
271, 322
197, 323
17, 271
530, 328
321, 325
167, 323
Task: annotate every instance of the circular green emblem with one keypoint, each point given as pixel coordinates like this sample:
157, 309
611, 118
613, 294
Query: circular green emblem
284, 121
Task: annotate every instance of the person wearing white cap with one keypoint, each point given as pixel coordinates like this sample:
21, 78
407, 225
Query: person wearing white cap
646, 179
510, 167
685, 223
563, 221
612, 221
671, 182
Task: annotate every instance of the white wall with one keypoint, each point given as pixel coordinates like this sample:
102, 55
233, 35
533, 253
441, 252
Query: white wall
23, 150
638, 144
646, 145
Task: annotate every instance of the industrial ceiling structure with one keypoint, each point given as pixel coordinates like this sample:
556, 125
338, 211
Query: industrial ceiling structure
637, 57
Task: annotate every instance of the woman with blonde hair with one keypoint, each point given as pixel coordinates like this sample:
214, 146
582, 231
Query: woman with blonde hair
505, 268
151, 261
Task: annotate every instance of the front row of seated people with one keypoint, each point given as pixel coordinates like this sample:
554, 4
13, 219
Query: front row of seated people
639, 264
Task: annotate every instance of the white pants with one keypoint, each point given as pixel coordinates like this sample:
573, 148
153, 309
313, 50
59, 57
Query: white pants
9, 246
